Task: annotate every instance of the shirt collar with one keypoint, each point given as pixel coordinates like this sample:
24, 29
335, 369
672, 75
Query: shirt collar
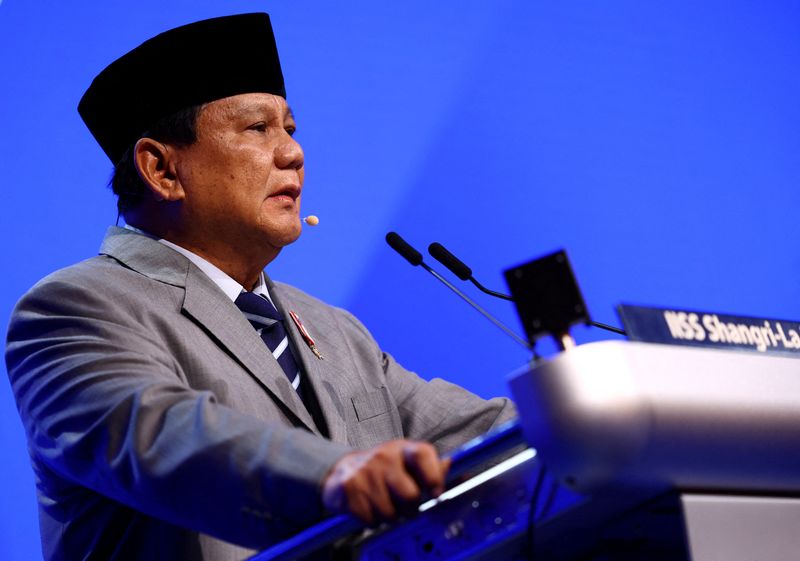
223, 280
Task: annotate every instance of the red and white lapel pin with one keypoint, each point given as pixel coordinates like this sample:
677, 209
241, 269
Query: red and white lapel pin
306, 336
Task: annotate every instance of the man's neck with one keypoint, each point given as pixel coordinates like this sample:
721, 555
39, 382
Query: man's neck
231, 262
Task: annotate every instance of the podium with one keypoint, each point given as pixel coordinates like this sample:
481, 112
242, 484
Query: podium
693, 450
641, 451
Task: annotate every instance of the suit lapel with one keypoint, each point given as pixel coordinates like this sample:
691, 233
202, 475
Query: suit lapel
206, 304
325, 374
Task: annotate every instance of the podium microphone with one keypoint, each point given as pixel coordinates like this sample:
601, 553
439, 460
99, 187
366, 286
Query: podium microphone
459, 269
414, 257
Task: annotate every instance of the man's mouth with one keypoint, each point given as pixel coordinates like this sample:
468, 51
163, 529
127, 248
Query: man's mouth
287, 192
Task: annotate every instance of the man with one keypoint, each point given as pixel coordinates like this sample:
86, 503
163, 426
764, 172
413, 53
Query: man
178, 403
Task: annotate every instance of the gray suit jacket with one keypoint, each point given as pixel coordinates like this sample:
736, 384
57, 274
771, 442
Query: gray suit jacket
161, 427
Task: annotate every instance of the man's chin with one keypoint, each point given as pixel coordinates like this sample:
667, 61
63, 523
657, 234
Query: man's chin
279, 240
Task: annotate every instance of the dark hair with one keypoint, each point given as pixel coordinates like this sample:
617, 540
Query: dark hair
178, 128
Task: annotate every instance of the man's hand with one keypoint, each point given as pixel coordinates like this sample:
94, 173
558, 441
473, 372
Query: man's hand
378, 484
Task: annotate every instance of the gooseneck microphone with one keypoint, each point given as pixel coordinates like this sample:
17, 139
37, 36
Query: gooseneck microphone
460, 269
414, 257
402, 247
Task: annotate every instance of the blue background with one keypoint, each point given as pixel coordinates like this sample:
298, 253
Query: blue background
657, 142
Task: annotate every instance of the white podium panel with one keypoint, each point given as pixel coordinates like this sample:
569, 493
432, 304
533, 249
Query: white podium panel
619, 412
742, 528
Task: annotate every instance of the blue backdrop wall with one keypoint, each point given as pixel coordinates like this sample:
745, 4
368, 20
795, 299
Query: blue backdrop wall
658, 143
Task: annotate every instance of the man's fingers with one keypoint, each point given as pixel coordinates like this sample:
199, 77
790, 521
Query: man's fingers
377, 493
446, 463
375, 484
361, 507
403, 487
423, 462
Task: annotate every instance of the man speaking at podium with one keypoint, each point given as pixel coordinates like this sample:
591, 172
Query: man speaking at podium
178, 403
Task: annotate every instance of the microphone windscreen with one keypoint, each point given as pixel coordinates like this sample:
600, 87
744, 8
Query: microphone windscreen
401, 246
456, 266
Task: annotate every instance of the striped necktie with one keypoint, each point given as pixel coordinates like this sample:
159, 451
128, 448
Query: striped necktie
268, 322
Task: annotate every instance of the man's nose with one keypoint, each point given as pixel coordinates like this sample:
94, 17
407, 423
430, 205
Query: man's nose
289, 154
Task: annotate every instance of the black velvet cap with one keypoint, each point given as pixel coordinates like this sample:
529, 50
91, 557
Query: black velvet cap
189, 65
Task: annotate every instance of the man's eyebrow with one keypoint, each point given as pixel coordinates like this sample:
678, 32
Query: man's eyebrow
259, 108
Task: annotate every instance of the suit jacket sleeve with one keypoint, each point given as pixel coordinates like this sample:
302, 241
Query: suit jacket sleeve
105, 407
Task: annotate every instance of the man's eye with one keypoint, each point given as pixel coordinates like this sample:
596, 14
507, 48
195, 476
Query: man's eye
261, 127
291, 130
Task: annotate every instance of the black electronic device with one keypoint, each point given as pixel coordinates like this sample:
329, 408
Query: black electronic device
547, 297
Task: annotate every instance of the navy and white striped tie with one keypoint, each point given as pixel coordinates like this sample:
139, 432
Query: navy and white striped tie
268, 321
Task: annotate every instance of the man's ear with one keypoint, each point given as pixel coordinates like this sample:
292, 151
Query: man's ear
155, 163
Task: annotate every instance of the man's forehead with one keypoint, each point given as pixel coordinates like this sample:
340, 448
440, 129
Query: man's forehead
252, 103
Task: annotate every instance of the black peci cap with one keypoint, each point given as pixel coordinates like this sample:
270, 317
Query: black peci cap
182, 67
